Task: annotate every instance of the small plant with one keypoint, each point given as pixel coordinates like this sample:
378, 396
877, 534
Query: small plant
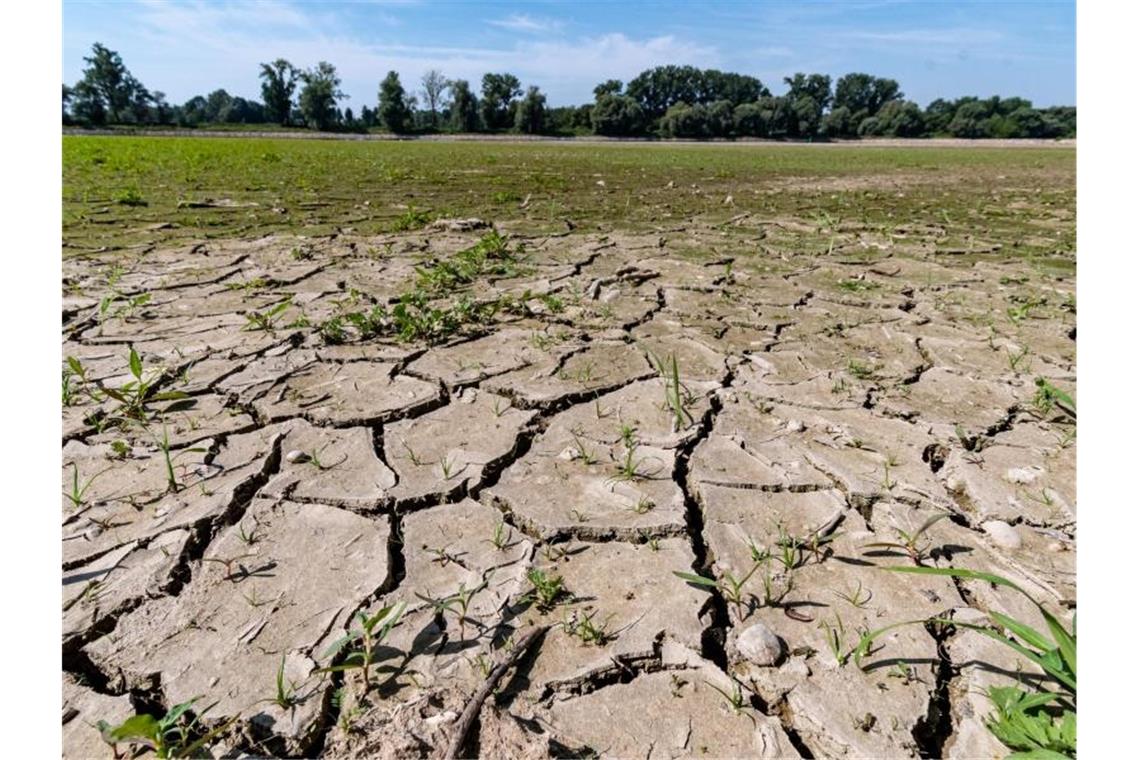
629, 466
364, 641
1049, 396
129, 197
229, 564
859, 598
78, 493
734, 698
501, 535
546, 590
1016, 358
586, 455
729, 586
134, 395
286, 694
643, 505
267, 319
859, 370
835, 636
315, 459
911, 543
677, 397
583, 628
169, 736
456, 603
411, 220
172, 484
250, 538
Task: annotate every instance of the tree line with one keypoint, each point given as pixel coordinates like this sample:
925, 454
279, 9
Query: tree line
665, 101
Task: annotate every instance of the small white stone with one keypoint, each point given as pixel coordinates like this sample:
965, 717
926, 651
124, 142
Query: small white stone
296, 456
1003, 534
795, 426
760, 646
1022, 475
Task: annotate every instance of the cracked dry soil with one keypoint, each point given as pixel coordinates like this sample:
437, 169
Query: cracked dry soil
847, 394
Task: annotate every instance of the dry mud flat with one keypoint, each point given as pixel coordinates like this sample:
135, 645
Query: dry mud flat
299, 481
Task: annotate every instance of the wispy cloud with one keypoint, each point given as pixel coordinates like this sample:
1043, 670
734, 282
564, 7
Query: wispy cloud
958, 37
521, 22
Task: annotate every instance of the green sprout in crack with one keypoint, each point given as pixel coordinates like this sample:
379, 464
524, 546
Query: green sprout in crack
911, 543
457, 603
729, 586
677, 396
363, 642
172, 484
134, 395
170, 736
266, 320
734, 698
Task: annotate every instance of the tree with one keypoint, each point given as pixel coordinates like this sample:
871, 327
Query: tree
608, 87
218, 104
161, 107
839, 122
434, 83
280, 80
395, 114
107, 89
616, 115
499, 93
718, 118
969, 119
809, 95
815, 86
863, 95
67, 95
530, 113
319, 95
901, 118
464, 107
684, 120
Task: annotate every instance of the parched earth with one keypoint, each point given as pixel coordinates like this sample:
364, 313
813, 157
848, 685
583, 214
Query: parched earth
762, 399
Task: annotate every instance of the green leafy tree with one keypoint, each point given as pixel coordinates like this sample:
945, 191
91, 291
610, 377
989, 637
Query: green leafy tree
464, 107
616, 115
809, 95
970, 120
319, 95
901, 118
608, 87
395, 113
279, 80
839, 122
107, 92
530, 113
498, 104
863, 95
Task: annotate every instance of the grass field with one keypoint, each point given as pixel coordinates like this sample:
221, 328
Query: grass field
117, 189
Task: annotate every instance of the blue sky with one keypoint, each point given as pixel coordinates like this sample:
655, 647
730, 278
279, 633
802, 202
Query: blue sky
934, 49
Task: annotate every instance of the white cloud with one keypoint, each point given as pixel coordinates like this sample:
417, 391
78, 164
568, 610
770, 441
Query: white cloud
521, 22
194, 47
